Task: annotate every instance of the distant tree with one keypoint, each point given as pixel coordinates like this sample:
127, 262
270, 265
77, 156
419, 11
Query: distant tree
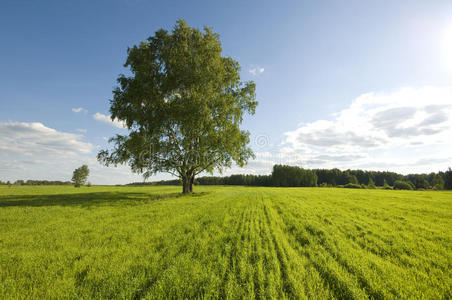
402, 185
371, 184
420, 182
352, 179
292, 176
183, 105
8, 183
438, 182
386, 186
448, 179
80, 175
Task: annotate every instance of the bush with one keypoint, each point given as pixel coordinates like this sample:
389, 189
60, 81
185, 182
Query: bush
402, 185
386, 186
438, 187
352, 186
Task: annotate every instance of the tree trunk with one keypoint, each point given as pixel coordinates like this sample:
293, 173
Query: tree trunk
187, 183
192, 179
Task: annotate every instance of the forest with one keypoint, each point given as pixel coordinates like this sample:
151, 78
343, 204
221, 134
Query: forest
293, 176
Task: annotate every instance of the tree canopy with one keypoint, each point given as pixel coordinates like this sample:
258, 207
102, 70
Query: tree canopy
183, 105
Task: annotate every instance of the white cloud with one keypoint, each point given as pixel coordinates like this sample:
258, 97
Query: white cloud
35, 151
35, 139
79, 109
107, 120
402, 128
256, 71
81, 130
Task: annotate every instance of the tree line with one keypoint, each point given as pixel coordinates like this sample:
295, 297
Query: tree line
79, 177
35, 182
293, 176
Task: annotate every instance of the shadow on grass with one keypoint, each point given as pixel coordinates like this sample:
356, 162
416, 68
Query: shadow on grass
84, 199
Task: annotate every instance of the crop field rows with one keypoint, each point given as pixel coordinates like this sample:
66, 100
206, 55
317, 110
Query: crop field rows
224, 242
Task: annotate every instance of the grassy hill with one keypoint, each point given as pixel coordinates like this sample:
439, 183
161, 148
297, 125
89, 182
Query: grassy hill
224, 242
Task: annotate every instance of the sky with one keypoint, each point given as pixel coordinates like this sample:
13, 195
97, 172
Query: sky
340, 84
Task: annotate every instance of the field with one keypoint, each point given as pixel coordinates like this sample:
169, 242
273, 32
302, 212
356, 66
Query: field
224, 242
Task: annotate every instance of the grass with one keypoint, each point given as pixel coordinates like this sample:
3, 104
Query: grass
224, 242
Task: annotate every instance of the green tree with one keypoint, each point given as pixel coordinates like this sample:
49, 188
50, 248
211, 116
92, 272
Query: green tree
448, 179
352, 179
386, 186
371, 184
420, 182
438, 182
183, 105
402, 185
80, 175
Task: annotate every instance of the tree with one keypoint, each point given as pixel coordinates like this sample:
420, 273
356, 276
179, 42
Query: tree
80, 175
420, 182
352, 179
183, 105
438, 182
371, 184
386, 186
402, 185
448, 179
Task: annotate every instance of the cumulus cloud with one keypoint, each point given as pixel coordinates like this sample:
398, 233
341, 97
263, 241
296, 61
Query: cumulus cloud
256, 71
107, 120
377, 120
380, 127
35, 139
35, 151
79, 109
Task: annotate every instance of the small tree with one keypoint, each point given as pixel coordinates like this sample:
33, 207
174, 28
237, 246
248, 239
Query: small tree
448, 179
438, 182
352, 179
402, 185
80, 175
371, 184
420, 182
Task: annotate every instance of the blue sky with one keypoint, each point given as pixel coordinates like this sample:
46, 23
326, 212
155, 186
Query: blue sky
348, 84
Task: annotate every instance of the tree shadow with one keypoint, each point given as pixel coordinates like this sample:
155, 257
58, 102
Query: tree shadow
84, 199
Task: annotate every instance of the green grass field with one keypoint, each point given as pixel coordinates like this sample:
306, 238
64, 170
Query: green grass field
224, 242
